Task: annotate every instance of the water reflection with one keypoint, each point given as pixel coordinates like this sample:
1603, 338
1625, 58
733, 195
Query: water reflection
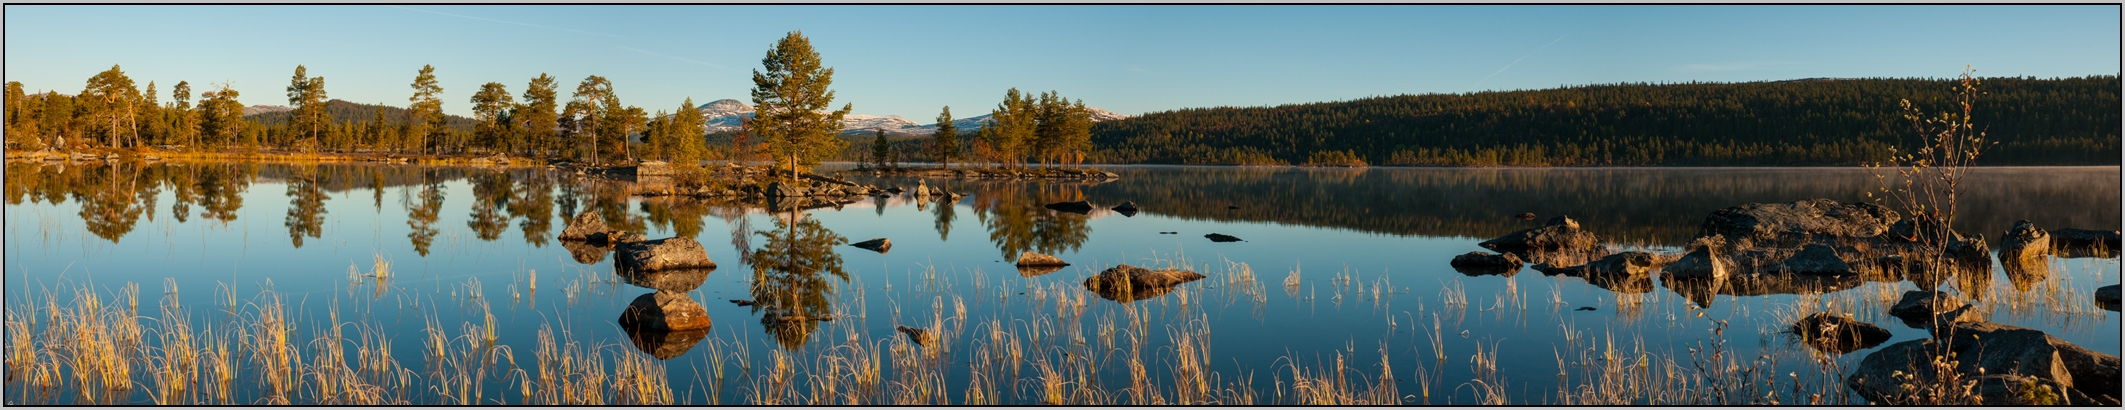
306, 205
421, 215
1018, 220
791, 285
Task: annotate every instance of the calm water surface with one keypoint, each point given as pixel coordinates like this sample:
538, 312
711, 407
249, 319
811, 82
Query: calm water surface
1336, 263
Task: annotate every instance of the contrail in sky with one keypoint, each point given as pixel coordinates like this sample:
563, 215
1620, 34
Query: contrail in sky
1517, 61
506, 22
672, 57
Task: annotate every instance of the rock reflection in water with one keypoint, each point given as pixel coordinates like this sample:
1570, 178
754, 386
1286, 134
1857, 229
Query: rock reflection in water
676, 279
664, 344
587, 253
791, 288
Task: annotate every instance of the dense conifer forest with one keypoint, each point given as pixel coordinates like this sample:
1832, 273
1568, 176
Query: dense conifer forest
2072, 121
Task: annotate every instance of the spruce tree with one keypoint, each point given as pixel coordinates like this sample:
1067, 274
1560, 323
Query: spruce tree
879, 150
945, 143
688, 144
789, 102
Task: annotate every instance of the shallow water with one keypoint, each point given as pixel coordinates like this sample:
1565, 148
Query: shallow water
1367, 252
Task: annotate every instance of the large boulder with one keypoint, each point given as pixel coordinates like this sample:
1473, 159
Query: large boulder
1124, 283
1797, 223
1814, 259
1030, 258
1486, 263
1560, 234
2082, 243
2088, 377
2026, 248
585, 227
666, 311
2107, 297
661, 254
1838, 333
1920, 309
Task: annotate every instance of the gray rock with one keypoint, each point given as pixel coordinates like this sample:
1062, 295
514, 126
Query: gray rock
1625, 263
1814, 259
661, 254
665, 310
1838, 333
1698, 264
2026, 248
1035, 259
1124, 283
1920, 309
1485, 263
584, 226
1797, 223
879, 245
1562, 234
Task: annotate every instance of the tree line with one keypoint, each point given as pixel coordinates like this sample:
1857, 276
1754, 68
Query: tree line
1822, 122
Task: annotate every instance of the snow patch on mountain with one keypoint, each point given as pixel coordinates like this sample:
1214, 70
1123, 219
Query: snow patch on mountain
262, 109
726, 115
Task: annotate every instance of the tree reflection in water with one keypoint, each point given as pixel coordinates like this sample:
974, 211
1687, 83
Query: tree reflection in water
490, 195
532, 199
421, 215
790, 277
1017, 220
306, 205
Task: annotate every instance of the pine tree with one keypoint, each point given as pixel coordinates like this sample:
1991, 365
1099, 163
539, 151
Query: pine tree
307, 95
686, 134
1012, 124
489, 106
879, 150
112, 100
424, 118
789, 102
538, 120
945, 143
584, 108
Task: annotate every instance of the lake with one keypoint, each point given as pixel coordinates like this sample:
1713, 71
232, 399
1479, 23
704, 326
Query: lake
1340, 291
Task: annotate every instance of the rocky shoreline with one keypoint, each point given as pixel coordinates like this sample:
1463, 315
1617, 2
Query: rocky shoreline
1822, 245
987, 173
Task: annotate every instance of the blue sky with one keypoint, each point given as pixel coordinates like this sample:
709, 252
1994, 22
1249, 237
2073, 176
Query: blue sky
911, 60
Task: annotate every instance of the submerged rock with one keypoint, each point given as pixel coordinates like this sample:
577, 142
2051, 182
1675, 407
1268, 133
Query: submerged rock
661, 254
1838, 333
1030, 258
921, 337
1079, 207
665, 310
1485, 263
1126, 209
584, 226
1218, 237
879, 245
1800, 222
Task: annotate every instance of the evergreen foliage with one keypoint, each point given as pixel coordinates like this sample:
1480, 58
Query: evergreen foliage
790, 102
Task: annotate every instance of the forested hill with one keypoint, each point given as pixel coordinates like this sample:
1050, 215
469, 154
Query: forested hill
2072, 121
344, 111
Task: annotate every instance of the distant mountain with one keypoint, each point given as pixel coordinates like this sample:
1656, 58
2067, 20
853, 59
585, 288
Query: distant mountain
724, 115
342, 110
263, 109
